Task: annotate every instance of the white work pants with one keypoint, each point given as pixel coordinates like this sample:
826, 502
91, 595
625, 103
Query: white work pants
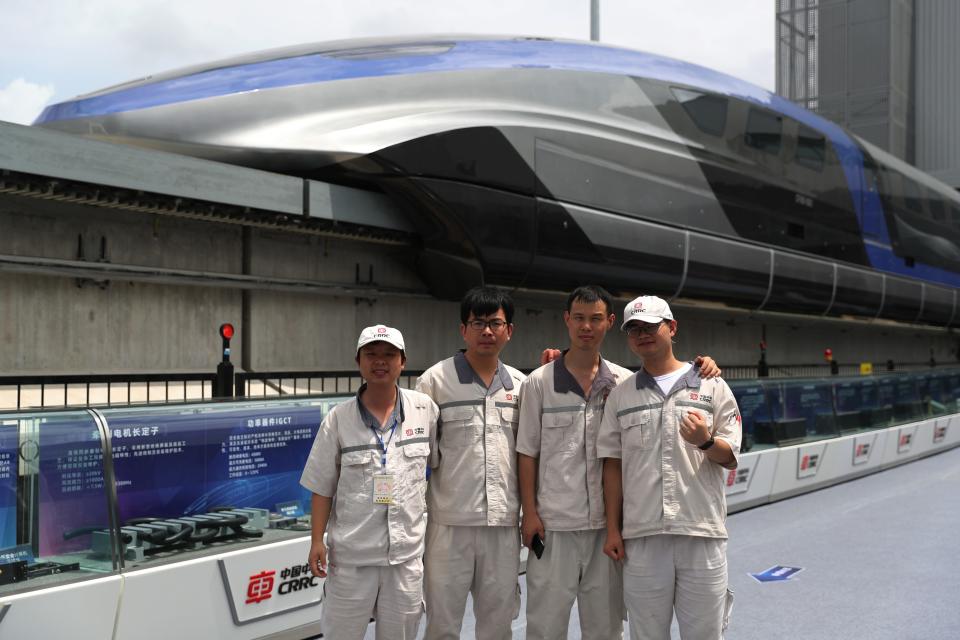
484, 561
686, 574
393, 595
573, 567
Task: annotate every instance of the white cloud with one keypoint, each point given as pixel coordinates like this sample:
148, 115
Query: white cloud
22, 101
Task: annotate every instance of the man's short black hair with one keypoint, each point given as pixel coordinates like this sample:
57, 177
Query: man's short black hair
485, 300
591, 293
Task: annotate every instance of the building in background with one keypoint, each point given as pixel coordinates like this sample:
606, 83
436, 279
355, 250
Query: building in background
884, 69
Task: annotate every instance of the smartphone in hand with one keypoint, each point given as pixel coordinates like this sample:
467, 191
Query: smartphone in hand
537, 545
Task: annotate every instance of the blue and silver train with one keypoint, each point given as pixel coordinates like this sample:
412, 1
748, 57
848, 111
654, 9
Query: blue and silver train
540, 163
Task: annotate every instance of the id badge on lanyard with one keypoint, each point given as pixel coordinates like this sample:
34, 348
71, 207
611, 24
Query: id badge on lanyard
383, 482
383, 488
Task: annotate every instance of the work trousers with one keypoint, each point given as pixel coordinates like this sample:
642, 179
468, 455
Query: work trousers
685, 574
483, 561
393, 595
573, 567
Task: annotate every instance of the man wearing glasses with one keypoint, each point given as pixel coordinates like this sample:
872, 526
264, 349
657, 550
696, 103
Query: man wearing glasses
472, 543
561, 407
666, 438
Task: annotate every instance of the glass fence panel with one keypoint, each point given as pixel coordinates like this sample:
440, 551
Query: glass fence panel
851, 398
808, 406
784, 412
52, 494
754, 408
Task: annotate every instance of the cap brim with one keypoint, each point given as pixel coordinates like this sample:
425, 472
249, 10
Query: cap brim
390, 342
642, 317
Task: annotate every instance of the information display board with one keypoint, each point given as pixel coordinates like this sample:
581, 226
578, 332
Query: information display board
173, 463
170, 465
9, 441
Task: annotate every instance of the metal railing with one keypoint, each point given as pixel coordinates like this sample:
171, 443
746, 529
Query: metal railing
817, 370
86, 390
285, 383
267, 384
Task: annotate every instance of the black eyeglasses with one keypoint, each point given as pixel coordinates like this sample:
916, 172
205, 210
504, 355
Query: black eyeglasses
496, 325
643, 328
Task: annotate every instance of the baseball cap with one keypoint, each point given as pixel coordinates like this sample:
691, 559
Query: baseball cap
649, 309
378, 333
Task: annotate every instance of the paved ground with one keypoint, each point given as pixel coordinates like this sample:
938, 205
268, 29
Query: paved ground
880, 558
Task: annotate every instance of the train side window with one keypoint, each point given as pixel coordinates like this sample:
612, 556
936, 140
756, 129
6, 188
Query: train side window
708, 112
955, 215
912, 195
811, 148
764, 131
935, 205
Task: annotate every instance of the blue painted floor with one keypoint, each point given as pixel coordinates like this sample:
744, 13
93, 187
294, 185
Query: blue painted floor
880, 558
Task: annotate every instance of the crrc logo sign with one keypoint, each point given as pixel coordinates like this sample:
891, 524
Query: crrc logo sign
295, 578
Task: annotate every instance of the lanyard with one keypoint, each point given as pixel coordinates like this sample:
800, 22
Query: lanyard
383, 446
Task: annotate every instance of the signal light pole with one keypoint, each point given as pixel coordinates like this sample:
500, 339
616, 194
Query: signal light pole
223, 385
595, 20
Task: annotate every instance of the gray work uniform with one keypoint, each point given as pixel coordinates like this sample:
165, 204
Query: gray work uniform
674, 506
559, 425
374, 550
473, 541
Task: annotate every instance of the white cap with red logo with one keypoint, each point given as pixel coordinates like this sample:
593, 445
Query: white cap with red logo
380, 333
649, 309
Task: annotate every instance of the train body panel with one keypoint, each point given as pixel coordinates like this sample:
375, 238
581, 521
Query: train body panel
541, 163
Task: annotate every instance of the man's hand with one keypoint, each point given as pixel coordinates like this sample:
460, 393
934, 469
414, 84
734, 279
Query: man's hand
708, 367
693, 428
530, 525
318, 559
549, 355
613, 547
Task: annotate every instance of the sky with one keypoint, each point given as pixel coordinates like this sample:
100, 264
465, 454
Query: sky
53, 50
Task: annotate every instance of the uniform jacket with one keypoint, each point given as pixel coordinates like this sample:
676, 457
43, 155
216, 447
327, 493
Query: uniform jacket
475, 483
559, 427
669, 485
345, 456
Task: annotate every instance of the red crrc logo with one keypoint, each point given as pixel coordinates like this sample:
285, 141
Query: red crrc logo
260, 587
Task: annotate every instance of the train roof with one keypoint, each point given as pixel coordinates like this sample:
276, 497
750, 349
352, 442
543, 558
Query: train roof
371, 57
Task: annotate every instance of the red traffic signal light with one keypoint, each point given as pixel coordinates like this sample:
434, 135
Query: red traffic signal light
226, 331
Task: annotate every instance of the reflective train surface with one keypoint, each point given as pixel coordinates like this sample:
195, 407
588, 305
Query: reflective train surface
538, 163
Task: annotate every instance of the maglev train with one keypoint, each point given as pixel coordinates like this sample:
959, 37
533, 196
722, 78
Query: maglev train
542, 163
